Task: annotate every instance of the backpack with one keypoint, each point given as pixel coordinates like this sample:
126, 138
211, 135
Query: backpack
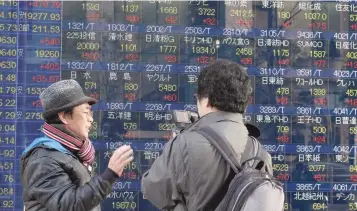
252, 186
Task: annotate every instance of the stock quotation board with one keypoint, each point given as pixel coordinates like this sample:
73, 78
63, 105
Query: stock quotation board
141, 60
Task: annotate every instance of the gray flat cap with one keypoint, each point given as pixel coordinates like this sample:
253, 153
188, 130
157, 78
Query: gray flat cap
63, 95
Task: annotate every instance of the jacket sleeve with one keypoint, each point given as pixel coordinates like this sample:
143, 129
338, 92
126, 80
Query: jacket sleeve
164, 183
51, 186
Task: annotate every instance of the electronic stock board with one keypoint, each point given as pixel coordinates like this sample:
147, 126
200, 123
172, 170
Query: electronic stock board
141, 60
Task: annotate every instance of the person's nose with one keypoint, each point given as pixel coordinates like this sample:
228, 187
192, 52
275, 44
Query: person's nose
90, 119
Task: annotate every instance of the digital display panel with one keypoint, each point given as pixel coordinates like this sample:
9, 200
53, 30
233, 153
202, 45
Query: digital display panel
141, 60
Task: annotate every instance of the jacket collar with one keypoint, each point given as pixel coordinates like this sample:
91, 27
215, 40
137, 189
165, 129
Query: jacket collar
46, 142
218, 116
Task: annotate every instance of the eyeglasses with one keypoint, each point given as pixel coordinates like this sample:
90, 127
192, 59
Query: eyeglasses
89, 113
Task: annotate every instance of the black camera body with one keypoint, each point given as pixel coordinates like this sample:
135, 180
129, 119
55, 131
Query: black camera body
183, 119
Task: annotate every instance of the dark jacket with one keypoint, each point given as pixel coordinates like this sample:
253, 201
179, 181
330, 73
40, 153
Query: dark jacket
53, 179
190, 170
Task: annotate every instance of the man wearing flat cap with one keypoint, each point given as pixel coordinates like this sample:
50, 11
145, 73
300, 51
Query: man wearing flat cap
56, 169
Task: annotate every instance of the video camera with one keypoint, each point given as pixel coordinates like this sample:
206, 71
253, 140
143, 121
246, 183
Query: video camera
183, 119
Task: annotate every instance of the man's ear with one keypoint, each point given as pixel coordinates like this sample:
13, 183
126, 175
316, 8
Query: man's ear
63, 117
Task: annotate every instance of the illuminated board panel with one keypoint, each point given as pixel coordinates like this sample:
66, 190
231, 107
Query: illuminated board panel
142, 59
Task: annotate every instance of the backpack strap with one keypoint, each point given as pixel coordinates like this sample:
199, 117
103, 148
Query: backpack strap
224, 149
256, 153
221, 146
211, 136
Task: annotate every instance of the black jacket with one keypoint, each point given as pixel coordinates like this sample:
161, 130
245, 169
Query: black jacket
54, 180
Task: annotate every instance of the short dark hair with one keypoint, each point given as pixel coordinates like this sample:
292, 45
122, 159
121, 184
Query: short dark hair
54, 119
226, 84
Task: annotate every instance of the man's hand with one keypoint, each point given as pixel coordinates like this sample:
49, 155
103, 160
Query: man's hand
120, 158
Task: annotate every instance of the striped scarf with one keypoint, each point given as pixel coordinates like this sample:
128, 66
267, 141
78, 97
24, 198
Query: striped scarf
84, 150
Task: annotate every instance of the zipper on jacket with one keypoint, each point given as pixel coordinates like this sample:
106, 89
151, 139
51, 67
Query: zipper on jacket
90, 170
